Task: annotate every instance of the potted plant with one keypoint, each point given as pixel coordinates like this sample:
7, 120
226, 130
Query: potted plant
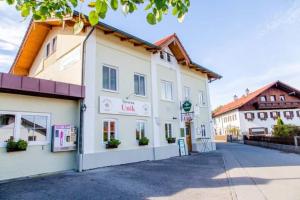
113, 144
12, 145
171, 140
143, 141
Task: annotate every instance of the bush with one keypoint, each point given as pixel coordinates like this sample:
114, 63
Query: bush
12, 145
113, 143
286, 130
171, 140
22, 145
143, 141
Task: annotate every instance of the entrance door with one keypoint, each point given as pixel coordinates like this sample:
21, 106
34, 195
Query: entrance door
188, 136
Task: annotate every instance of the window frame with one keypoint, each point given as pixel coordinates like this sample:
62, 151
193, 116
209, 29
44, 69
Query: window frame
282, 98
164, 90
54, 45
273, 96
17, 128
145, 84
264, 98
116, 129
139, 121
48, 50
203, 99
117, 78
186, 88
168, 131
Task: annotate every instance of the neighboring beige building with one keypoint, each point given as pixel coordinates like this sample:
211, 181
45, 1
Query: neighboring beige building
133, 88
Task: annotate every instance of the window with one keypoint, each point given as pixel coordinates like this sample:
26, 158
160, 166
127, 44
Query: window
282, 98
275, 114
202, 98
33, 128
109, 130
262, 115
140, 129
162, 56
288, 114
54, 43
139, 85
249, 116
166, 90
263, 98
272, 98
298, 113
187, 93
7, 125
169, 59
168, 130
203, 131
48, 50
109, 78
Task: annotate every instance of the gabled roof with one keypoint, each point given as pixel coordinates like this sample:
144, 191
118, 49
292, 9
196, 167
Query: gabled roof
245, 99
175, 45
37, 32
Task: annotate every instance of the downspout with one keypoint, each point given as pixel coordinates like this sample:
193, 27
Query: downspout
80, 138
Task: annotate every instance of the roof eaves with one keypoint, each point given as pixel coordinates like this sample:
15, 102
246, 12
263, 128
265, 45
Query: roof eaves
213, 74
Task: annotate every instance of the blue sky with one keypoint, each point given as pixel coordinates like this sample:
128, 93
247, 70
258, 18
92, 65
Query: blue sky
249, 42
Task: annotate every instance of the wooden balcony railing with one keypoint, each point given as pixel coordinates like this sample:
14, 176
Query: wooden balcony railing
278, 105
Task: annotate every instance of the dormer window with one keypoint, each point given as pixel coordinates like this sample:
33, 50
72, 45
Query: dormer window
48, 49
169, 59
272, 98
263, 98
282, 98
54, 43
162, 56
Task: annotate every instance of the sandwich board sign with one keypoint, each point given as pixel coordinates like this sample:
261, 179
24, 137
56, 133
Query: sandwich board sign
181, 144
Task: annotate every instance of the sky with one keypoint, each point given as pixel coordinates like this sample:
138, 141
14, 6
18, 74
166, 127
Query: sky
250, 43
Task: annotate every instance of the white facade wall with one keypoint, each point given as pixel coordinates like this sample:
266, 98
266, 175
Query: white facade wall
244, 125
269, 123
227, 120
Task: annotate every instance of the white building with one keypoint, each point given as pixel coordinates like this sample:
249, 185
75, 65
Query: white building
133, 88
256, 112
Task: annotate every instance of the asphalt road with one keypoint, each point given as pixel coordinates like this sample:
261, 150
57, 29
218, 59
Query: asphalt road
259, 173
234, 171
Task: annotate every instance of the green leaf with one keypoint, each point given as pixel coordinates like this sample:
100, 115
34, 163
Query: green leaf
151, 19
93, 17
25, 10
10, 2
175, 11
74, 3
78, 27
114, 4
148, 6
92, 4
101, 7
36, 17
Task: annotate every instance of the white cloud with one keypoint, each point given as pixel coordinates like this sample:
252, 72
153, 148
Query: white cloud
288, 17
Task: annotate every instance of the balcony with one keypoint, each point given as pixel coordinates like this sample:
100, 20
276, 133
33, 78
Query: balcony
277, 105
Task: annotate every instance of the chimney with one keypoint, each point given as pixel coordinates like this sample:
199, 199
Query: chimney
247, 92
235, 97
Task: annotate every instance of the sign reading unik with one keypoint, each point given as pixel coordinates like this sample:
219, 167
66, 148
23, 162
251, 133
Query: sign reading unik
63, 138
110, 105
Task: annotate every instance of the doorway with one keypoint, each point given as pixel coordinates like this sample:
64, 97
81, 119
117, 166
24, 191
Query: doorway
188, 136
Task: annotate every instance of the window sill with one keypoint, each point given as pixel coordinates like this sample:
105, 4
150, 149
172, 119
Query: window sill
3, 144
167, 100
141, 96
111, 91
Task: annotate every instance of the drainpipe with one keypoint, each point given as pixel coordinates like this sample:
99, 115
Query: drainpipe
80, 137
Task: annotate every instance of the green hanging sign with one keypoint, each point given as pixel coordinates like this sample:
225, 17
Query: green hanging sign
187, 105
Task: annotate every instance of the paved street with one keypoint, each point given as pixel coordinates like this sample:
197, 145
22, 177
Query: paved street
252, 173
258, 173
